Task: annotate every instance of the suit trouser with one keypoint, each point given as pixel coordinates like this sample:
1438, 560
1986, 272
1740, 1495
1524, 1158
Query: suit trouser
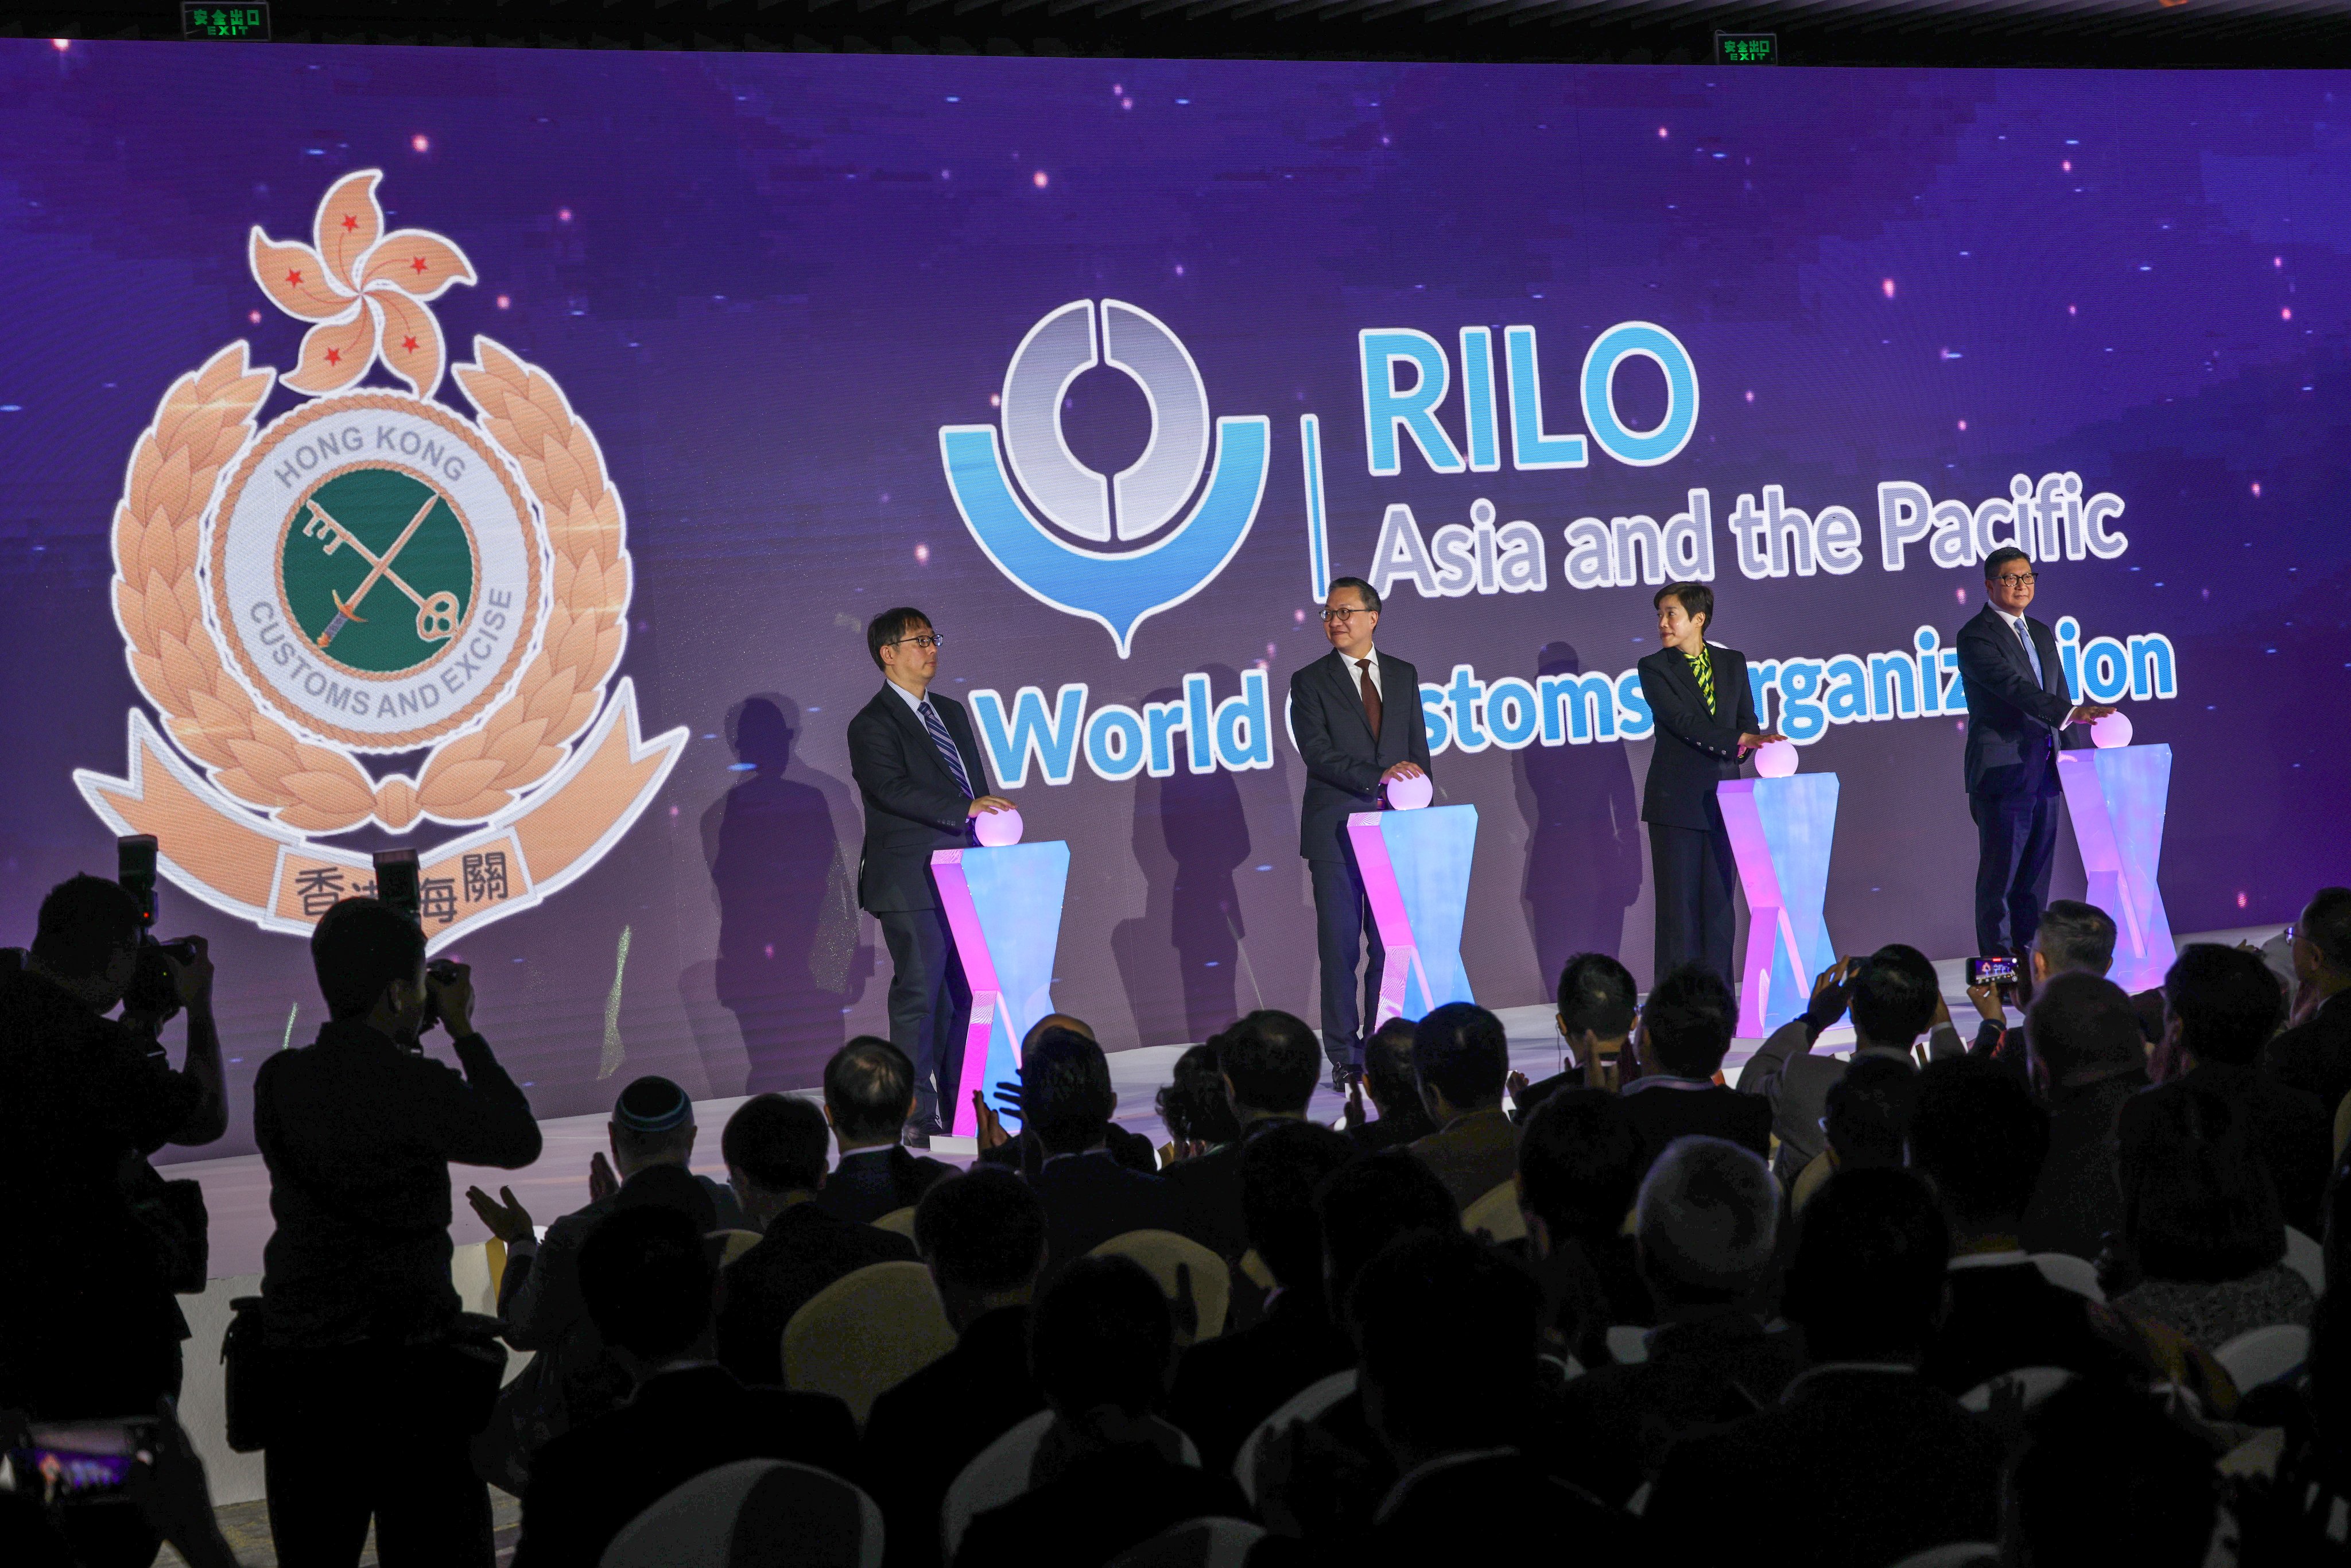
1344, 928
929, 1003
1692, 869
2016, 844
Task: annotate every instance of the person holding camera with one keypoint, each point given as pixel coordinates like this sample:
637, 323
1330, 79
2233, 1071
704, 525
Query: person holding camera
371, 1380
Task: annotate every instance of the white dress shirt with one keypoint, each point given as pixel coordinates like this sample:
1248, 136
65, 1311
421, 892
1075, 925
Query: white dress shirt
1355, 672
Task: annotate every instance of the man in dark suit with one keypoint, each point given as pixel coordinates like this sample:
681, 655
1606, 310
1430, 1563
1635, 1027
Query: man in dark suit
1461, 1058
2087, 1060
1684, 1033
1706, 718
1270, 1067
2018, 709
919, 771
647, 1284
1355, 713
775, 1149
1387, 1082
868, 1091
1089, 1195
983, 1237
2314, 1054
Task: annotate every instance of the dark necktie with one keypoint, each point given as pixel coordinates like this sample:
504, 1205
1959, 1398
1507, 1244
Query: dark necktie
1702, 666
945, 743
1371, 695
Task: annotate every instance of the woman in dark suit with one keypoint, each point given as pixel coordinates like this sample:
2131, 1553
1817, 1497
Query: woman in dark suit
1706, 726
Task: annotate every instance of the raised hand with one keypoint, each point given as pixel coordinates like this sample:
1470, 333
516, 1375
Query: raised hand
601, 1183
508, 1220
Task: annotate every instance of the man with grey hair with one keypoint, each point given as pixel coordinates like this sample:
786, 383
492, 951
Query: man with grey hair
2074, 939
1707, 1228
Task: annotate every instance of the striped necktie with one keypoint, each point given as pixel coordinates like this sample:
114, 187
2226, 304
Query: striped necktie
945, 743
1703, 668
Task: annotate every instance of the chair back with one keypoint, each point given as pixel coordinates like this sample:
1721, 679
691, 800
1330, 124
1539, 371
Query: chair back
733, 1244
754, 1513
1957, 1555
1816, 1171
2263, 1355
1497, 1215
2036, 1382
2342, 1126
898, 1222
1303, 1405
2068, 1272
865, 1333
1628, 1343
1198, 1543
1160, 1252
999, 1473
2306, 1258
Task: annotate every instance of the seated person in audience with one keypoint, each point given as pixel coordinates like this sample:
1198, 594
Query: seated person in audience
1867, 1114
1110, 1472
1020, 1150
775, 1146
1684, 1033
2201, 1228
2105, 1476
1388, 1080
1461, 1058
868, 1092
2220, 1006
1578, 1170
1089, 1195
983, 1237
1270, 1063
2087, 1057
1598, 1004
1226, 1385
2074, 938
2314, 1054
1977, 1135
1194, 1108
1862, 1462
646, 1280
1894, 997
1707, 1232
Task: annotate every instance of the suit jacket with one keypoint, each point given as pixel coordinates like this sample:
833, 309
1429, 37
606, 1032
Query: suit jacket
1226, 1385
590, 1482
1471, 1155
1662, 1113
1343, 759
2015, 725
1211, 1188
1697, 746
923, 1432
2290, 1134
871, 1183
1465, 1508
2078, 1201
1089, 1198
913, 804
804, 1250
2314, 1055
2005, 1315
1879, 1464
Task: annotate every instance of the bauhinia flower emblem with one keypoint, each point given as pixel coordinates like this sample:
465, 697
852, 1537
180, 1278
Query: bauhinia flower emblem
364, 288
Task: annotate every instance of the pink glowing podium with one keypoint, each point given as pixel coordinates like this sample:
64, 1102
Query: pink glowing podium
2117, 796
1415, 872
1004, 909
1782, 831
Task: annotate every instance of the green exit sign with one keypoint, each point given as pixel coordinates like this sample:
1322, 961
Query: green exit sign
1747, 49
201, 20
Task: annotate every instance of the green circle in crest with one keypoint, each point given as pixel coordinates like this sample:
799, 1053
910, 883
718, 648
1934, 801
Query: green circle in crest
376, 627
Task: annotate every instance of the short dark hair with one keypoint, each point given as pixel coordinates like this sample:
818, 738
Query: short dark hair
889, 627
2076, 936
1867, 1112
359, 947
1709, 1222
1193, 1102
646, 1280
1370, 595
1867, 1281
985, 1230
1280, 1168
1065, 1092
2000, 557
1894, 996
652, 1118
1463, 1386
2326, 925
2107, 1476
2226, 1002
1690, 1017
84, 921
1388, 1071
1462, 1051
779, 1141
1272, 1060
1977, 1134
869, 1087
2081, 1021
2198, 1204
1597, 993
1580, 1163
1104, 1334
1695, 598
1364, 1206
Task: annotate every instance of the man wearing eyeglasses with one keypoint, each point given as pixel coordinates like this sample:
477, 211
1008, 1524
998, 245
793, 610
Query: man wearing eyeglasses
2018, 708
1355, 713
919, 771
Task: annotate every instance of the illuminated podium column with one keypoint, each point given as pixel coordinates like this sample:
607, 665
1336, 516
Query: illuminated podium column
1416, 870
1782, 830
2116, 796
1004, 908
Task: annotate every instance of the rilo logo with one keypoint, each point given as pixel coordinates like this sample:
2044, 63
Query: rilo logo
1115, 559
372, 573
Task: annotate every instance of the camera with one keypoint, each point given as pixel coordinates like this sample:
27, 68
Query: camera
2000, 970
81, 1461
152, 993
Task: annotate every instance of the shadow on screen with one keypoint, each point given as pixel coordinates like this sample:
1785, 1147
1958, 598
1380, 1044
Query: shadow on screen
1583, 840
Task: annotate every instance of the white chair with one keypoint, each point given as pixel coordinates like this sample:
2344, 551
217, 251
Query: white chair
2068, 1272
754, 1513
1497, 1214
2037, 1381
866, 1332
1628, 1343
1958, 1554
1303, 1405
2306, 1258
1198, 1543
1001, 1473
2263, 1355
898, 1222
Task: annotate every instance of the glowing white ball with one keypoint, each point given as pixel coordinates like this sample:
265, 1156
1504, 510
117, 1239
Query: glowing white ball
1411, 794
997, 828
2114, 729
1775, 759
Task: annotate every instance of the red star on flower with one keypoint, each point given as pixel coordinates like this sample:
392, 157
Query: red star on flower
294, 276
417, 263
334, 356
349, 223
409, 344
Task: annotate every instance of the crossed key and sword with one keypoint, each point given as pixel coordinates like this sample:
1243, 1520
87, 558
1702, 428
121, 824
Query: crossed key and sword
436, 614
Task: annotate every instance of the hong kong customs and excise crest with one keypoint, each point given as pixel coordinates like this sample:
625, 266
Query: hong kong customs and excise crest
374, 574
